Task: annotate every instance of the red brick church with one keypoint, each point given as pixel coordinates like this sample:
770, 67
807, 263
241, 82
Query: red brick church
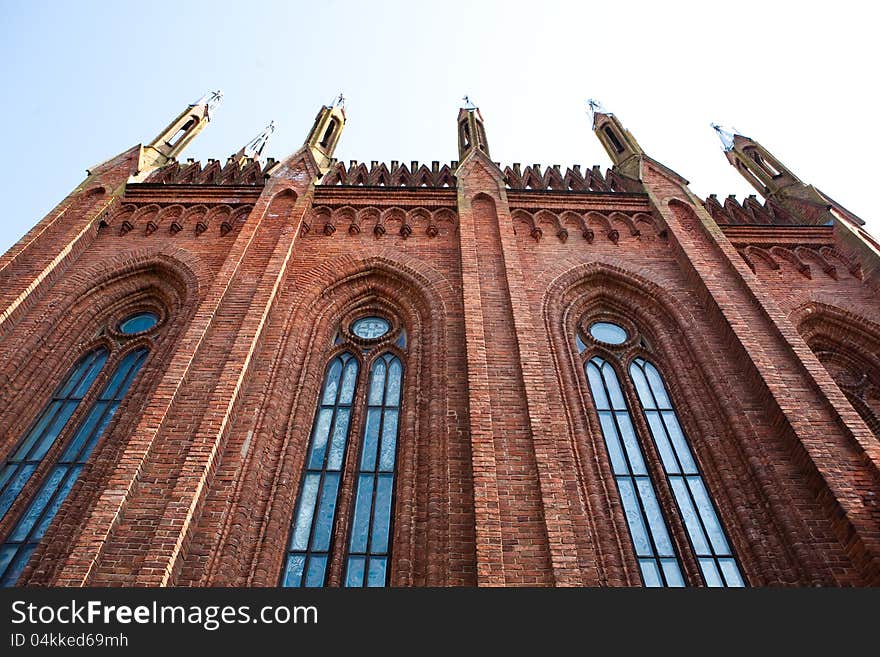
309, 373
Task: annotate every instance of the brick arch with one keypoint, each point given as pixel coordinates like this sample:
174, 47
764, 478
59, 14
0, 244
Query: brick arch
730, 464
848, 346
250, 547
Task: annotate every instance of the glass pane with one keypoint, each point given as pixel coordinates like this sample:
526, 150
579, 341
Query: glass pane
60, 496
23, 526
579, 343
317, 567
655, 517
85, 430
613, 386
354, 575
382, 515
401, 339
377, 572
361, 521
672, 572
51, 433
637, 528
608, 332
6, 474
96, 435
650, 572
731, 572
349, 378
710, 572
371, 439
293, 570
38, 430
7, 552
137, 323
682, 449
392, 395
332, 383
124, 374
670, 465
707, 513
337, 444
612, 442
91, 374
18, 565
641, 384
377, 383
370, 327
14, 488
319, 439
300, 538
76, 373
657, 386
389, 441
633, 449
689, 516
600, 399
326, 513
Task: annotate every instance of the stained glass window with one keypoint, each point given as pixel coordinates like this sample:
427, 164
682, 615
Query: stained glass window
138, 323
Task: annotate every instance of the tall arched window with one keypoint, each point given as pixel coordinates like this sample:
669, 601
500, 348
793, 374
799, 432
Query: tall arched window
366, 549
46, 499
637, 476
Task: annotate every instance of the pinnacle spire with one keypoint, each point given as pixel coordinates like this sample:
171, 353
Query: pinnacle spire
254, 148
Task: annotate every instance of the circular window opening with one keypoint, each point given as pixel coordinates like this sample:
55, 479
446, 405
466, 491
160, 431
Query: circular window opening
608, 333
138, 323
370, 328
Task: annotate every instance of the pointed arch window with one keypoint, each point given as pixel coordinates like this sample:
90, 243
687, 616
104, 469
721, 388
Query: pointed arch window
375, 400
48, 437
635, 474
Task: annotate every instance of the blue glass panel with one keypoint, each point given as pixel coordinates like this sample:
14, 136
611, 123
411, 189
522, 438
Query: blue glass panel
633, 450
655, 517
57, 501
672, 572
7, 553
319, 438
76, 373
370, 327
377, 572
371, 439
349, 379
360, 528
615, 451
138, 323
707, 513
13, 572
14, 488
657, 386
51, 433
613, 387
6, 474
608, 332
93, 439
91, 374
37, 431
84, 431
579, 343
641, 384
27, 521
731, 572
124, 374
600, 399
710, 572
377, 383
293, 570
389, 441
689, 516
401, 339
392, 394
650, 573
382, 514
678, 441
337, 443
331, 386
299, 540
634, 519
670, 464
354, 575
326, 513
317, 568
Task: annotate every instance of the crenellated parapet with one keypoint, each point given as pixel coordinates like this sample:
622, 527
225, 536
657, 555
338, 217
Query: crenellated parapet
379, 174
750, 211
249, 172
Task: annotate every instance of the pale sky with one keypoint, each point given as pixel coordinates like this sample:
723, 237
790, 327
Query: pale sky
86, 80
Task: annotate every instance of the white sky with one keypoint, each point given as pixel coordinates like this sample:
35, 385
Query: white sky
83, 81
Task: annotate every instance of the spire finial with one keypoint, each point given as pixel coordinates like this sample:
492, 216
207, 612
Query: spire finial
726, 136
338, 101
210, 101
254, 148
468, 104
594, 106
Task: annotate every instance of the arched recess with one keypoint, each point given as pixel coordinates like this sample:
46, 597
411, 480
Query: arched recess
84, 315
433, 542
747, 501
848, 346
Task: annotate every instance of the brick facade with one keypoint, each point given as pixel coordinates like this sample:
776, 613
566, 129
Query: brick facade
765, 323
